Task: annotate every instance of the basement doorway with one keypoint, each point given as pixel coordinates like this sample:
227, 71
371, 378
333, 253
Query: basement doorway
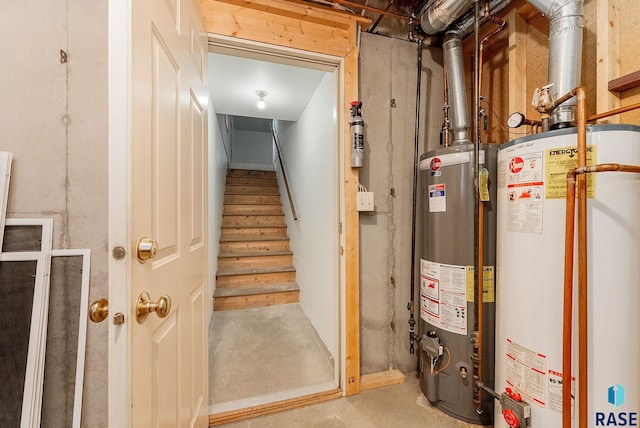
264, 355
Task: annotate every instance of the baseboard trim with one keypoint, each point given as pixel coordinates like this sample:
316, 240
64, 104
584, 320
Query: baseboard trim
278, 406
378, 380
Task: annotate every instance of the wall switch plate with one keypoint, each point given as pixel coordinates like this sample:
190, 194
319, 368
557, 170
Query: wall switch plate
364, 201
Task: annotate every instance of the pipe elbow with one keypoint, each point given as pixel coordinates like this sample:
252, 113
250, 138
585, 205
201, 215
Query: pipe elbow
437, 15
555, 9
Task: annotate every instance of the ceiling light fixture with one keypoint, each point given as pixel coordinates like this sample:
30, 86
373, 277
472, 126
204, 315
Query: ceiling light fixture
261, 94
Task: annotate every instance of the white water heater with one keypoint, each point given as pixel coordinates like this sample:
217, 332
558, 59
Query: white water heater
529, 275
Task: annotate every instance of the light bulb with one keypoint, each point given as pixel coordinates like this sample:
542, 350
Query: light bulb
261, 94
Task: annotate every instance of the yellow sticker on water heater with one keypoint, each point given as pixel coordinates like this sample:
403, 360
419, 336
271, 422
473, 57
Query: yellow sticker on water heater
488, 286
483, 186
558, 162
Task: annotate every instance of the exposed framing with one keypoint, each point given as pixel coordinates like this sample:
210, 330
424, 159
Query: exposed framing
608, 54
34, 376
517, 62
298, 25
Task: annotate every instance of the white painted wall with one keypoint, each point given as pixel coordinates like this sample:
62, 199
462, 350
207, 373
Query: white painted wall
310, 155
53, 118
252, 150
218, 162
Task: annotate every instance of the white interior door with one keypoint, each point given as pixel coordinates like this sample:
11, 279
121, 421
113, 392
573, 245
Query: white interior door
168, 364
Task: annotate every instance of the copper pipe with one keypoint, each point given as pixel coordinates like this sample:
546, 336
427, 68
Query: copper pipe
567, 307
568, 281
480, 297
480, 266
608, 167
565, 97
583, 314
502, 24
582, 272
371, 9
613, 112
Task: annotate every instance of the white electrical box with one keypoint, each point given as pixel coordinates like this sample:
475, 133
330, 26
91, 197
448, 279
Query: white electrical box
364, 201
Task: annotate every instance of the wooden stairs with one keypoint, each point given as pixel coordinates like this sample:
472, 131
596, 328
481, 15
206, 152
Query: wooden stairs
255, 264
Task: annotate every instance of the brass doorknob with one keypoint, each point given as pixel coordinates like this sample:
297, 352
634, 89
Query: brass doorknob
145, 306
99, 310
147, 249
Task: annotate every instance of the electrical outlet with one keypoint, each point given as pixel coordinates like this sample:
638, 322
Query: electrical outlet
364, 201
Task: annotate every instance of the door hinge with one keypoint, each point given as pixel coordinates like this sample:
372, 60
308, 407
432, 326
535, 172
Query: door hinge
341, 250
64, 57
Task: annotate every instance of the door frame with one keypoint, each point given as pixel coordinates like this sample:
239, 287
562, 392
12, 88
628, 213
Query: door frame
318, 30
119, 72
332, 64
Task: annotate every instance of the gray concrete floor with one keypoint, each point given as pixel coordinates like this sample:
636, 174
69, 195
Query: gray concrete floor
397, 406
257, 355
268, 354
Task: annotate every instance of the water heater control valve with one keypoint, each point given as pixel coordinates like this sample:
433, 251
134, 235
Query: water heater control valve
517, 413
431, 345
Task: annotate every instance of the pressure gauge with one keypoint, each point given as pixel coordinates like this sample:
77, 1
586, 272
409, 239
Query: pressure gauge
515, 120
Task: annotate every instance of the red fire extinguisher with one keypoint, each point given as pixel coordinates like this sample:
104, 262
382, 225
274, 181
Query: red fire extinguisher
357, 134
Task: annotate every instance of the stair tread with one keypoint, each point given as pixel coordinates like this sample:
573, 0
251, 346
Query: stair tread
257, 239
226, 254
264, 289
253, 205
252, 172
251, 226
252, 215
251, 185
254, 229
252, 271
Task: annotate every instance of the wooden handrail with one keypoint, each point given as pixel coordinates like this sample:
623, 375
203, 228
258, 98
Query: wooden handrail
284, 174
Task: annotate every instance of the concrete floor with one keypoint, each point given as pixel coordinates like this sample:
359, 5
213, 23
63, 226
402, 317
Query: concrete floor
263, 355
268, 354
396, 406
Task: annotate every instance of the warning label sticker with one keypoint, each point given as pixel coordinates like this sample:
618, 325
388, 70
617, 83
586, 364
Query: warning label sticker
527, 373
555, 392
437, 198
443, 297
558, 162
525, 193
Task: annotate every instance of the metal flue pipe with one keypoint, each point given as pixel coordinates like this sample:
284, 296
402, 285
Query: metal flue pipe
566, 23
457, 93
438, 15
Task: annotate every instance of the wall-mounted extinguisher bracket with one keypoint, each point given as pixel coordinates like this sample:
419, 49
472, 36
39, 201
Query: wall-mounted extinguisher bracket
357, 134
